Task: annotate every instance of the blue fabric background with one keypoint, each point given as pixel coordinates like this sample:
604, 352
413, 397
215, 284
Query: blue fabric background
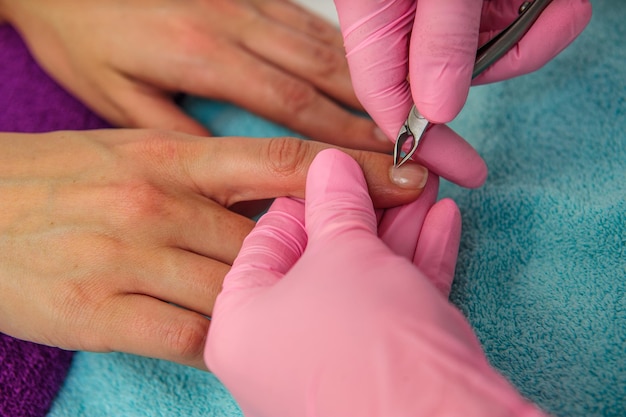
542, 268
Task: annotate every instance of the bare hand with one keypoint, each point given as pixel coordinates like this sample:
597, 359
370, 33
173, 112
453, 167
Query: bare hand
127, 60
118, 240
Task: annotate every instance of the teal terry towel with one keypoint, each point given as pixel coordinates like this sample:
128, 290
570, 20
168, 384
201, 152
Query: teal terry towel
542, 268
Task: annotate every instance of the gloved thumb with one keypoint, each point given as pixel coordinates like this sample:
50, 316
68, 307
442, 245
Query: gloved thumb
337, 201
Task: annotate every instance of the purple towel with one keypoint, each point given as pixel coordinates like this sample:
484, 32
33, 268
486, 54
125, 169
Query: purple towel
30, 374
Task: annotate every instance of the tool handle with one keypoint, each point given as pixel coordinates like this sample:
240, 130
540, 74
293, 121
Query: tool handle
500, 44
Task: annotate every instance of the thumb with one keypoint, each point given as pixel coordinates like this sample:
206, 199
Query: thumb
337, 201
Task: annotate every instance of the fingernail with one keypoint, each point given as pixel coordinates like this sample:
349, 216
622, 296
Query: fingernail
380, 135
409, 175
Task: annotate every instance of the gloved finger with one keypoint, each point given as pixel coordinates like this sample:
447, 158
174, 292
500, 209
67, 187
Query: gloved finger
438, 245
559, 24
269, 251
400, 226
376, 38
448, 155
337, 202
442, 54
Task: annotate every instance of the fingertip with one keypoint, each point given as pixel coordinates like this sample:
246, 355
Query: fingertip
409, 176
567, 14
332, 162
447, 211
450, 156
438, 245
586, 11
442, 104
337, 198
445, 218
389, 186
149, 327
334, 173
478, 175
399, 227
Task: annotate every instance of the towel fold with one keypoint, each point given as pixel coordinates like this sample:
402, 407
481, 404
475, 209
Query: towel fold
30, 376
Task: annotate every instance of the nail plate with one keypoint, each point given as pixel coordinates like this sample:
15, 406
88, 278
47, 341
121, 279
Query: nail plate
409, 175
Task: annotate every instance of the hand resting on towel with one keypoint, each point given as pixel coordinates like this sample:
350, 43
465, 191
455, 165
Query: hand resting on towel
118, 240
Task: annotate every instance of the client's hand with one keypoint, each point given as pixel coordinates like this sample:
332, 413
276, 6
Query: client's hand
103, 234
127, 60
319, 317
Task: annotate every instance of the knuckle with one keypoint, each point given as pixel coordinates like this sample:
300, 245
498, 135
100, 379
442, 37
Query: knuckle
186, 341
79, 310
186, 33
322, 29
234, 17
160, 145
327, 61
141, 190
138, 200
295, 95
286, 156
186, 39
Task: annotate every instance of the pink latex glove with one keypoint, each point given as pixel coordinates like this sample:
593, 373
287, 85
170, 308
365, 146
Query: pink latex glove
320, 317
434, 43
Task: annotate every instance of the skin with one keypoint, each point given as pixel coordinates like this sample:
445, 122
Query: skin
97, 248
127, 60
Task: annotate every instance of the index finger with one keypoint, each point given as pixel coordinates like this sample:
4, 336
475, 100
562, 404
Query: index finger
376, 38
442, 54
230, 170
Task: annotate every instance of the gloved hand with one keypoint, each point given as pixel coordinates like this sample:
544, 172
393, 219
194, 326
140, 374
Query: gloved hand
319, 316
434, 44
